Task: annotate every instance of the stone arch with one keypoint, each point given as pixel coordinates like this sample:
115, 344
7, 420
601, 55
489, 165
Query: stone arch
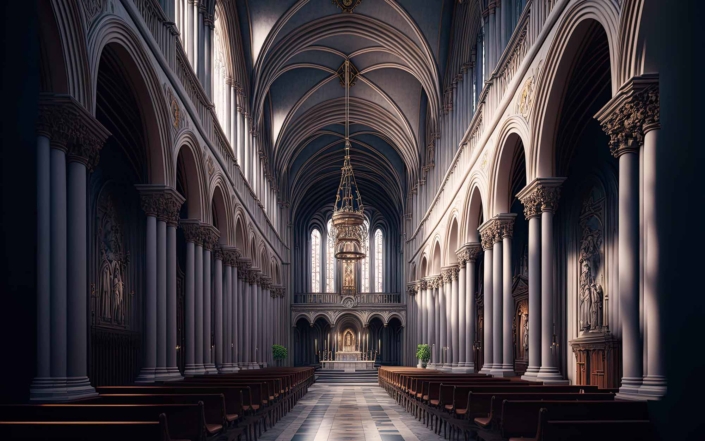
424, 267
264, 259
189, 174
114, 34
511, 138
221, 214
436, 260
240, 237
474, 212
453, 240
556, 71
64, 67
412, 271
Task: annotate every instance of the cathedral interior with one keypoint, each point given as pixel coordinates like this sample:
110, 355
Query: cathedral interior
351, 220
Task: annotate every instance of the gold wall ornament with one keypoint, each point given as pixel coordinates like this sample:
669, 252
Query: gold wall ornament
347, 5
526, 98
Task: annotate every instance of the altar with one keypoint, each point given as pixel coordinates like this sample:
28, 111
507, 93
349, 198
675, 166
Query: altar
348, 366
348, 356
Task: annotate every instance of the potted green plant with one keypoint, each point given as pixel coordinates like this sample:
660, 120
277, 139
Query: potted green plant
278, 353
423, 354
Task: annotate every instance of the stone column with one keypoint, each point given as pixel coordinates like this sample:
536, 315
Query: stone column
230, 257
43, 383
443, 289
473, 249
432, 284
218, 322
245, 315
164, 202
455, 340
506, 229
497, 300
149, 363
423, 286
487, 234
236, 323
58, 271
210, 241
462, 335
532, 211
227, 314
253, 319
418, 296
548, 193
191, 234
198, 308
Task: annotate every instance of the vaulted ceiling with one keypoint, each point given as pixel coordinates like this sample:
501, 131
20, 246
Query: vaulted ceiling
293, 50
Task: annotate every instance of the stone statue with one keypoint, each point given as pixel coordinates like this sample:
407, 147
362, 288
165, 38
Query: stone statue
596, 308
105, 288
586, 284
348, 340
525, 338
118, 306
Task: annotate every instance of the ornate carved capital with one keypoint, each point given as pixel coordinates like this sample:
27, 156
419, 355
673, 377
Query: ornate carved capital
253, 277
209, 236
446, 275
489, 234
469, 252
454, 272
541, 194
230, 256
422, 284
505, 225
265, 282
71, 128
191, 229
411, 289
161, 201
218, 254
632, 112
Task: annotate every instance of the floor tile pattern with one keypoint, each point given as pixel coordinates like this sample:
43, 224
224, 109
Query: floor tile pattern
340, 412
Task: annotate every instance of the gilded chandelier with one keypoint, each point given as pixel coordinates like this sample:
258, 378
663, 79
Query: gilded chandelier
348, 212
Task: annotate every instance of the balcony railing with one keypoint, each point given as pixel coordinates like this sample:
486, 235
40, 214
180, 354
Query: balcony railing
336, 298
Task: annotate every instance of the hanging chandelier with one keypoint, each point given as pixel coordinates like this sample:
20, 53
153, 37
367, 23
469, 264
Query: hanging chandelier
349, 230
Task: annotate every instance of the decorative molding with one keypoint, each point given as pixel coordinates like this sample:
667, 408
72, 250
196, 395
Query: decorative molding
347, 5
162, 202
541, 194
633, 111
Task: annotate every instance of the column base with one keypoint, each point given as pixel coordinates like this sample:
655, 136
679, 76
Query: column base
209, 369
653, 387
172, 374
551, 376
531, 373
146, 376
463, 370
486, 369
253, 365
629, 390
61, 389
193, 370
503, 371
432, 366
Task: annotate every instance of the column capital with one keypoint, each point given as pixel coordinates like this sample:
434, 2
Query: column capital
468, 252
633, 111
209, 236
253, 277
265, 281
243, 268
161, 201
541, 194
191, 230
489, 233
411, 289
71, 128
446, 275
421, 284
505, 225
230, 256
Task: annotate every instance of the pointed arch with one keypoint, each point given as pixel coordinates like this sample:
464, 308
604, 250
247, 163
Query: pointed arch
453, 240
511, 144
473, 213
190, 178
579, 18
113, 33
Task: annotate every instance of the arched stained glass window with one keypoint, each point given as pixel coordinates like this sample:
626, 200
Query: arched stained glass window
315, 261
379, 261
366, 262
330, 260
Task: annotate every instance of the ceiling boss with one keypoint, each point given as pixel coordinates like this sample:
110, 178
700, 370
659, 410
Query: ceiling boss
347, 5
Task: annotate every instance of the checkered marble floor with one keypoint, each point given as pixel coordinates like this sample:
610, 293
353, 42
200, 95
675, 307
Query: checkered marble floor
344, 412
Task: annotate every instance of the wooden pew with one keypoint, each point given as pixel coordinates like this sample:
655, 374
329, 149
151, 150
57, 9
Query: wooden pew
602, 430
86, 430
519, 418
184, 421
